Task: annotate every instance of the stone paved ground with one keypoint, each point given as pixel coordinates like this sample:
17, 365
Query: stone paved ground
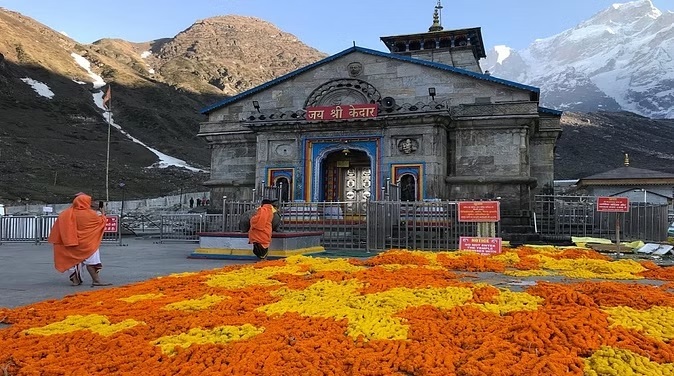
28, 274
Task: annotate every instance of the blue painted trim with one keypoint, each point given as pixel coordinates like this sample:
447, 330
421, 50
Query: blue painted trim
368, 51
409, 169
550, 111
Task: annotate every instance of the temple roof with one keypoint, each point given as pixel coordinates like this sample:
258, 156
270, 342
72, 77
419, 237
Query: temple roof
431, 64
627, 173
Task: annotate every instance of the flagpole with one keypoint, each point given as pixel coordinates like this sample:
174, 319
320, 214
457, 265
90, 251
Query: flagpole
107, 160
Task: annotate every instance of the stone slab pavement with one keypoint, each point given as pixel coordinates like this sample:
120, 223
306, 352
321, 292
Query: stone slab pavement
27, 273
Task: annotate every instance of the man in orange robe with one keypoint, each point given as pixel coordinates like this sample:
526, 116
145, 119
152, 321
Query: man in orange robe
259, 234
76, 236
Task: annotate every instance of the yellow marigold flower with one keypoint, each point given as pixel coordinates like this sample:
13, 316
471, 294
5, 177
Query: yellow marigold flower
592, 268
96, 323
657, 322
509, 258
140, 297
317, 264
249, 276
527, 273
198, 336
370, 315
509, 301
610, 361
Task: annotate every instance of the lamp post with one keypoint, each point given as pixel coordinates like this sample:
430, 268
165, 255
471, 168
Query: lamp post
121, 211
181, 198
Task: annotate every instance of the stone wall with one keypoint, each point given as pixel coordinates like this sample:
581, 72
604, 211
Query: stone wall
485, 142
404, 81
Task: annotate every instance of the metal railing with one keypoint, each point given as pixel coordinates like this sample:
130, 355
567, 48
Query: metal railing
373, 225
416, 225
36, 229
578, 216
344, 224
181, 227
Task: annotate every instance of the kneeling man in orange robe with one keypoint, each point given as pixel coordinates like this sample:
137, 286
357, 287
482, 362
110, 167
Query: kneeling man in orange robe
76, 236
259, 234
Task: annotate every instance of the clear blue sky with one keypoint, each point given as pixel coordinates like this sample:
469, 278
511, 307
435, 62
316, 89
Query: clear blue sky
329, 26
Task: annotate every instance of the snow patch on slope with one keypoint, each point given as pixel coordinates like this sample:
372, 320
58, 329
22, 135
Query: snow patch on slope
41, 88
164, 160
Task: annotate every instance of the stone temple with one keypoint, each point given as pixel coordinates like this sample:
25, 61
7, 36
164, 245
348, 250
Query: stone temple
422, 117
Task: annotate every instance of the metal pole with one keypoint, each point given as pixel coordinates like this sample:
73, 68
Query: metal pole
107, 161
617, 234
224, 213
121, 211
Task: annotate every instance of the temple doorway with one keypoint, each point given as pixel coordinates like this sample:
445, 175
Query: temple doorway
347, 177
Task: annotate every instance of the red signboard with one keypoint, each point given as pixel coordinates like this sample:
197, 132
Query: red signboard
352, 111
111, 223
483, 246
613, 204
479, 211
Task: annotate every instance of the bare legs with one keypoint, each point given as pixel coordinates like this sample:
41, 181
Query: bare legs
96, 280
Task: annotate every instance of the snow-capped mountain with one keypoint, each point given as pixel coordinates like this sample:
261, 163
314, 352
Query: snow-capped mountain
620, 59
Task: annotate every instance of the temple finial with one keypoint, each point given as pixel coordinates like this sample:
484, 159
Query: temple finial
627, 160
437, 18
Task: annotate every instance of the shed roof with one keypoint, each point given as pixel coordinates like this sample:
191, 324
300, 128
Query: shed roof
627, 173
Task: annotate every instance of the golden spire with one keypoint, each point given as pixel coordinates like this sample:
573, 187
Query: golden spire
627, 160
437, 21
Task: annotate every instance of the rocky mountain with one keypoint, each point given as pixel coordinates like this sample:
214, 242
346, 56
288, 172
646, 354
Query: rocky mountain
53, 126
53, 133
596, 142
621, 59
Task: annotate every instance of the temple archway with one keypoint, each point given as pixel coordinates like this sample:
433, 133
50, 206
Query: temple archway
347, 176
408, 188
284, 188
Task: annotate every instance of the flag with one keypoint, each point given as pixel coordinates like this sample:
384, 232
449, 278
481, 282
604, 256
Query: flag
106, 99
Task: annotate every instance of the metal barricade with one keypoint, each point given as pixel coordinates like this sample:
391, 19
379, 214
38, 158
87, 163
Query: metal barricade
415, 225
344, 224
578, 216
376, 225
232, 211
181, 227
19, 229
36, 229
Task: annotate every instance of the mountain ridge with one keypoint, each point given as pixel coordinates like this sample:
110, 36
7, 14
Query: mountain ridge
60, 141
57, 145
621, 59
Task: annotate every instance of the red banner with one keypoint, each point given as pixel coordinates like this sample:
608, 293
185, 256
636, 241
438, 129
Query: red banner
613, 204
351, 111
483, 246
112, 224
479, 211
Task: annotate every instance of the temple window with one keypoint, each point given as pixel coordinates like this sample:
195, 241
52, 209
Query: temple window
408, 188
401, 47
415, 45
284, 186
445, 43
429, 44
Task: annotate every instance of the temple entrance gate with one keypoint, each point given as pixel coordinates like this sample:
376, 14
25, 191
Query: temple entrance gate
347, 177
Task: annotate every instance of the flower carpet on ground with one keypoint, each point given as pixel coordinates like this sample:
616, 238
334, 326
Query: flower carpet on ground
398, 313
